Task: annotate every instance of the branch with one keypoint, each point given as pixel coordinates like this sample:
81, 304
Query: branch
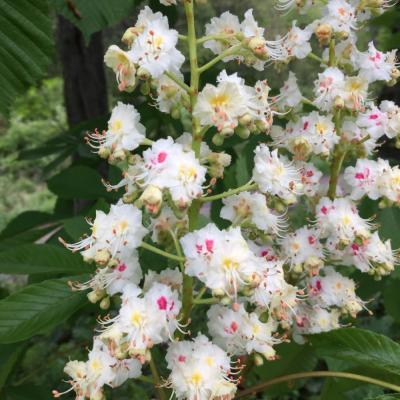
178, 81
315, 374
157, 380
229, 52
230, 192
163, 253
221, 37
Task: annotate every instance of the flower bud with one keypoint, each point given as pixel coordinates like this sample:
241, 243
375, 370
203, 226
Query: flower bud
95, 295
338, 103
257, 45
105, 303
151, 198
143, 74
218, 139
129, 36
99, 395
242, 132
104, 152
258, 360
323, 33
245, 120
301, 148
227, 132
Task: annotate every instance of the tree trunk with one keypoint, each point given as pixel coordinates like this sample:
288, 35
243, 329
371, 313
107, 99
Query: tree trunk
85, 89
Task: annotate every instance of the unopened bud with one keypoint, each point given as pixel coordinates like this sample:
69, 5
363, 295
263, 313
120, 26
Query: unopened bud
246, 120
227, 132
218, 139
104, 152
258, 46
151, 198
258, 360
323, 33
143, 74
338, 102
129, 36
242, 132
301, 148
105, 303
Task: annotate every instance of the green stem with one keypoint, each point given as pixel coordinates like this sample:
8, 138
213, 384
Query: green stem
200, 294
210, 300
230, 192
182, 37
187, 289
156, 379
178, 81
332, 58
339, 155
316, 58
146, 379
304, 100
316, 374
221, 37
178, 249
163, 253
228, 52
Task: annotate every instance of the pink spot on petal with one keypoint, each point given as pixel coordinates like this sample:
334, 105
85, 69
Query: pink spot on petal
162, 157
209, 245
234, 326
122, 267
162, 303
324, 210
181, 358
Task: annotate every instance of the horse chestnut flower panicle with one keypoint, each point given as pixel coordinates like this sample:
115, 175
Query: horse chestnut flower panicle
293, 235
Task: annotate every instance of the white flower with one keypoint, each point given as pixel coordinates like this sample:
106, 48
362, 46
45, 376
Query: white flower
302, 247
118, 231
199, 370
167, 166
169, 93
274, 174
290, 94
154, 49
145, 320
375, 65
355, 92
335, 290
125, 133
123, 66
339, 221
328, 87
220, 106
252, 208
341, 15
314, 319
389, 184
310, 178
222, 260
227, 24
352, 132
239, 332
297, 42
373, 255
363, 179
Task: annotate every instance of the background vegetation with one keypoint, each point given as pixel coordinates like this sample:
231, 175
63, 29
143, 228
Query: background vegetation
53, 89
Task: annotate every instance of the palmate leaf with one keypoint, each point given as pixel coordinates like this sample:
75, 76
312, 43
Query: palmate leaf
359, 346
26, 46
93, 15
37, 308
41, 259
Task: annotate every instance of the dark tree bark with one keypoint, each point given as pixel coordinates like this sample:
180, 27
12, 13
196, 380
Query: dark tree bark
85, 89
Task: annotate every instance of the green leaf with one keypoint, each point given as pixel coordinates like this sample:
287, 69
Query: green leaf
37, 308
26, 46
391, 297
41, 259
80, 182
9, 356
292, 358
93, 15
394, 396
360, 346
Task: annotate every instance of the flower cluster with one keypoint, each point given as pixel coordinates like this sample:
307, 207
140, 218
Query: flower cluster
274, 260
